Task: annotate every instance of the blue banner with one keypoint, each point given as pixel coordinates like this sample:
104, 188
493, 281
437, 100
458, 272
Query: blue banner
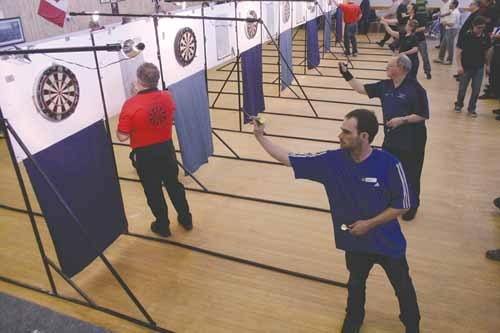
338, 26
253, 94
312, 44
327, 32
83, 171
192, 120
286, 53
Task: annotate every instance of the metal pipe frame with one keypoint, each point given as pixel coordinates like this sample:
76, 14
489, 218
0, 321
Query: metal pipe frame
69, 211
79, 302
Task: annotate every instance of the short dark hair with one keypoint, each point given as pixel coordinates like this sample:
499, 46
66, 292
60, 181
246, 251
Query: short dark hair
478, 20
367, 122
455, 3
148, 74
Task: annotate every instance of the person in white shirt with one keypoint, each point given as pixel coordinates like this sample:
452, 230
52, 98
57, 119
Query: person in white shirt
388, 14
451, 24
444, 11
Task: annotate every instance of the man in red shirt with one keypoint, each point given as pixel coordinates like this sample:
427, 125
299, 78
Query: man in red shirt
146, 119
352, 14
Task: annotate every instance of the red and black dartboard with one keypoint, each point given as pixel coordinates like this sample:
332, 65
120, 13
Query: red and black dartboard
286, 12
251, 27
185, 46
56, 93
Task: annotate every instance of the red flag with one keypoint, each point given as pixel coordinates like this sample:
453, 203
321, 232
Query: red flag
53, 11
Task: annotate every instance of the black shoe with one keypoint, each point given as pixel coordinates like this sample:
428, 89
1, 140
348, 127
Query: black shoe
486, 96
186, 222
161, 230
496, 202
380, 43
493, 254
350, 327
428, 76
412, 330
497, 112
410, 215
437, 46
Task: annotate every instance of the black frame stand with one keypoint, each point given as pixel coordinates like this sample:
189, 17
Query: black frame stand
9, 130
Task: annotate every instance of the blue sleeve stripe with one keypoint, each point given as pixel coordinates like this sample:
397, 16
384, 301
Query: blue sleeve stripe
406, 194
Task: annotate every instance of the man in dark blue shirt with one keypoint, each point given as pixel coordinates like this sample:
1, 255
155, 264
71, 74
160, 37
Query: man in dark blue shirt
405, 108
367, 191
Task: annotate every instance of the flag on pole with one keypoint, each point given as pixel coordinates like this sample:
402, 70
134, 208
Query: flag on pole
53, 11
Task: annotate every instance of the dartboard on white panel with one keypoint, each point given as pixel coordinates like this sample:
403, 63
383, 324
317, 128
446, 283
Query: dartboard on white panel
185, 46
311, 6
251, 27
286, 11
56, 93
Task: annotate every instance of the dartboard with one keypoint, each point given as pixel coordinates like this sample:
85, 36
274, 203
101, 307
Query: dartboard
185, 46
251, 27
286, 11
57, 93
312, 7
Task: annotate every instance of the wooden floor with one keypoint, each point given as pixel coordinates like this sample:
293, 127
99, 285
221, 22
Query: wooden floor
185, 291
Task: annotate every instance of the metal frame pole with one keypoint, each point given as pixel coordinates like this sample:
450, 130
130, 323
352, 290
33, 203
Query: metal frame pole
240, 113
41, 249
78, 223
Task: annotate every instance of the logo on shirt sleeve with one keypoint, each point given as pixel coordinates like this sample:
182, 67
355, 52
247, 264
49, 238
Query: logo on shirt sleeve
371, 180
157, 115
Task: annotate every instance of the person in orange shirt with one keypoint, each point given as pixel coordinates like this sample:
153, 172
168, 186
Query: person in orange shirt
146, 119
352, 15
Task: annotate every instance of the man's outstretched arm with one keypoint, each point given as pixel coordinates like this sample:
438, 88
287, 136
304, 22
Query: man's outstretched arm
355, 84
277, 152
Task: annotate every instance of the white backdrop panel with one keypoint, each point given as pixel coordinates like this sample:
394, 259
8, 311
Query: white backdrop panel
221, 47
171, 28
123, 74
17, 84
299, 13
312, 11
270, 16
326, 6
286, 6
243, 10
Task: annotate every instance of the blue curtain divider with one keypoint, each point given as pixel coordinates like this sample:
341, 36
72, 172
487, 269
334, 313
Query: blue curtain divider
365, 10
312, 44
253, 94
327, 32
338, 26
81, 168
192, 120
286, 52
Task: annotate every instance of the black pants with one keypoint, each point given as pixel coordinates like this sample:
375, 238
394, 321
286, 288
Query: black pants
359, 266
157, 166
494, 78
413, 163
415, 63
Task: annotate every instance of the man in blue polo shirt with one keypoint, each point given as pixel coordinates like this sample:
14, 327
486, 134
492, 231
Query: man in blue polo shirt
405, 109
367, 191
